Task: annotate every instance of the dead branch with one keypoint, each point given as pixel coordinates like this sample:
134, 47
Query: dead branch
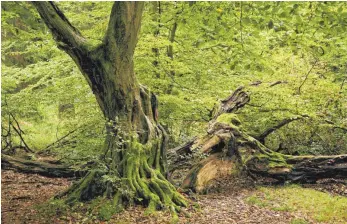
261, 137
277, 83
57, 141
235, 101
306, 77
19, 132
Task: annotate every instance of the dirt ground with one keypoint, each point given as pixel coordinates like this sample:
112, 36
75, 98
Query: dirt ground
226, 203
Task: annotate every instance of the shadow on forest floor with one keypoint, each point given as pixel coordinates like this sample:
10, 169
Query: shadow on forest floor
226, 202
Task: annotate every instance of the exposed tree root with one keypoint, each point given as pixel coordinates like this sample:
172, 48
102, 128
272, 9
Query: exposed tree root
139, 183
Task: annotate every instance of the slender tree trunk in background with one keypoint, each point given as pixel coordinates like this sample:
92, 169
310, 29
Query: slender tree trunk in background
170, 51
135, 144
156, 17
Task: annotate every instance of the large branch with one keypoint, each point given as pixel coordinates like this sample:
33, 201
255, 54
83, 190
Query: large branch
70, 40
66, 35
123, 27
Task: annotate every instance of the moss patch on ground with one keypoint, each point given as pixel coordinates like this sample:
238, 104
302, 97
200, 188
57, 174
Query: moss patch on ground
320, 206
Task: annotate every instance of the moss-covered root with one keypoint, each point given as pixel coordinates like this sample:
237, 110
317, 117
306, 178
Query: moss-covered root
140, 183
85, 189
152, 187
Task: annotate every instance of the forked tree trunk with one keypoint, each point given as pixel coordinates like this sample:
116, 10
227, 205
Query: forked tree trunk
230, 149
135, 144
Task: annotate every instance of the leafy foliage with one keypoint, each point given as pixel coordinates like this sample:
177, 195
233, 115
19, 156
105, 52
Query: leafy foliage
214, 47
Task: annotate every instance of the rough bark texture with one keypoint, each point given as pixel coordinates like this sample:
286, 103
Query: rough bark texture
135, 144
227, 148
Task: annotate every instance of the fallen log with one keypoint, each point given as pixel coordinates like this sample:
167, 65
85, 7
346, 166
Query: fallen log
36, 167
227, 149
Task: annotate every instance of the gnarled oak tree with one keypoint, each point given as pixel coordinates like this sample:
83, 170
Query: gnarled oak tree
135, 143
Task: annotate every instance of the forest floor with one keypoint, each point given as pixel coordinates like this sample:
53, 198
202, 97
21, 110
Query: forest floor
24, 197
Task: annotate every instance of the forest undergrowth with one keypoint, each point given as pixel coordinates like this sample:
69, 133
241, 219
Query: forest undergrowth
25, 199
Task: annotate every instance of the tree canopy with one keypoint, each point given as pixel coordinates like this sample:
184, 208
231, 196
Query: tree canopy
269, 42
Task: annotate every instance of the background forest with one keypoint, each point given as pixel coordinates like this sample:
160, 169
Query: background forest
291, 56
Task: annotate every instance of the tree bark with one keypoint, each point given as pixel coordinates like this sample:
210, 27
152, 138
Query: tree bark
227, 149
134, 149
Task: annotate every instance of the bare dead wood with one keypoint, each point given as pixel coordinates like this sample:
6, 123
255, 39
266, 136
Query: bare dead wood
235, 101
334, 126
277, 83
256, 83
304, 169
8, 136
180, 156
26, 148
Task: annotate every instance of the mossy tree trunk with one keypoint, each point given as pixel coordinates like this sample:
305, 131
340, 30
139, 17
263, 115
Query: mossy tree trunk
135, 143
229, 149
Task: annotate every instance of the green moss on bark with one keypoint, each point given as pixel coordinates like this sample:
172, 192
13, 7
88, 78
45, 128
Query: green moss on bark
230, 119
140, 183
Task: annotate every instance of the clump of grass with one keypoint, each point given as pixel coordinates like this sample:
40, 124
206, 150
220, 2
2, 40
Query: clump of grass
320, 206
52, 208
298, 221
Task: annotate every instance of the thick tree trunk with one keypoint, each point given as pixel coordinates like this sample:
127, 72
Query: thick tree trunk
134, 150
230, 149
